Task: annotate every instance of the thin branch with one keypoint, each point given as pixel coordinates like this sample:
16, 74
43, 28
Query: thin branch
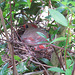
14, 30
26, 16
12, 50
42, 66
35, 73
59, 59
62, 48
2, 33
7, 15
14, 2
50, 4
40, 63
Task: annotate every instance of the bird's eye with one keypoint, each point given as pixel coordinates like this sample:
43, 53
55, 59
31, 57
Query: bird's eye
26, 26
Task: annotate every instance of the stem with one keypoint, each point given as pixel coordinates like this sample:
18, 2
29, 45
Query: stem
65, 53
67, 41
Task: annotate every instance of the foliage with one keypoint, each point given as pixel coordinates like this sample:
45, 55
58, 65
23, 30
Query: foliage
17, 58
68, 70
1, 62
46, 61
58, 39
2, 52
32, 67
24, 6
2, 46
58, 17
56, 69
21, 68
4, 70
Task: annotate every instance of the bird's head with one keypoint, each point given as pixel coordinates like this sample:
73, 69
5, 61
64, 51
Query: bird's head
29, 25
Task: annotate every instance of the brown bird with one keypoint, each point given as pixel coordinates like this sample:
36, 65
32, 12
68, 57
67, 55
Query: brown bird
31, 38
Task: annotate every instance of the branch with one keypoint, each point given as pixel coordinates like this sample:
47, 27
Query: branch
6, 33
26, 16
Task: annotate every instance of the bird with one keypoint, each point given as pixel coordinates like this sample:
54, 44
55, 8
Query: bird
31, 38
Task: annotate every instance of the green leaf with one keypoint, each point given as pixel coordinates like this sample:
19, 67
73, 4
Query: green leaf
48, 17
42, 42
5, 67
58, 39
17, 58
51, 31
73, 36
34, 9
72, 2
56, 0
56, 69
46, 61
7, 26
4, 70
70, 56
27, 61
50, 25
73, 9
71, 67
22, 67
20, 3
62, 43
64, 3
29, 3
65, 0
41, 34
1, 62
16, 4
68, 62
58, 17
68, 72
71, 26
73, 21
23, 2
3, 45
32, 67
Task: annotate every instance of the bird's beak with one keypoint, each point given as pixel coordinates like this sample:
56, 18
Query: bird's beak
24, 26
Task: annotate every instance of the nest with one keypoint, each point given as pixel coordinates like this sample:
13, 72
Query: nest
25, 51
